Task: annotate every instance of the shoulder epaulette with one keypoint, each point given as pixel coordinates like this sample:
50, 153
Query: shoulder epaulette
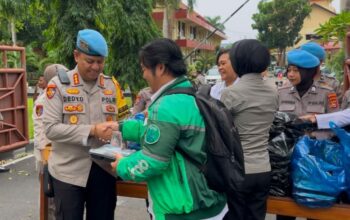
327, 87
62, 75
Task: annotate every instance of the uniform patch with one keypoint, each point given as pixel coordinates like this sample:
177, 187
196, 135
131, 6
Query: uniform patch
74, 108
333, 100
102, 81
84, 46
109, 118
76, 80
73, 119
51, 91
108, 92
80, 107
73, 99
152, 134
108, 100
39, 110
110, 108
73, 91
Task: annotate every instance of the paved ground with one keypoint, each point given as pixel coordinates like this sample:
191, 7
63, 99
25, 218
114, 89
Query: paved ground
19, 195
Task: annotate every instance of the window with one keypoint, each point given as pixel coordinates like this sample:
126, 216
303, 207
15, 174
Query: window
312, 37
181, 30
193, 32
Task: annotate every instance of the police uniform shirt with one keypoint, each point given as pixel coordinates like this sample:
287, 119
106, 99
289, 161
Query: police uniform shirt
40, 140
346, 100
252, 103
330, 82
317, 100
70, 111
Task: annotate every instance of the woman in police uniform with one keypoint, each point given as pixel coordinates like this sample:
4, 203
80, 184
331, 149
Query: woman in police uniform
304, 96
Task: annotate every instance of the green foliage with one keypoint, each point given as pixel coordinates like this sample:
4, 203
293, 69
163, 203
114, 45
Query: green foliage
67, 18
205, 61
335, 28
11, 14
127, 33
215, 21
335, 64
279, 22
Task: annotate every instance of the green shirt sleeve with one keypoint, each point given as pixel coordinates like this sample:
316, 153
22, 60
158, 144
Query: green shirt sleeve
132, 130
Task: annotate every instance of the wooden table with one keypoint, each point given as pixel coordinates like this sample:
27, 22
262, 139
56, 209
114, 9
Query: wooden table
275, 205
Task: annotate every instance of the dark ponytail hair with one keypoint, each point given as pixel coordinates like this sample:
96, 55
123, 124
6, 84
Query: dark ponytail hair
163, 51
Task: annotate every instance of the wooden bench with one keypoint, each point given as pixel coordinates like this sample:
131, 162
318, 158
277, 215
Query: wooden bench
275, 205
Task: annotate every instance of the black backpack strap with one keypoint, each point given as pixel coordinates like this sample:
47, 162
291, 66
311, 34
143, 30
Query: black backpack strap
188, 91
181, 90
63, 77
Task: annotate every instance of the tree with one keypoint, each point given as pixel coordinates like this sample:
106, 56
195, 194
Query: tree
169, 8
127, 33
279, 23
126, 25
67, 18
205, 61
335, 30
215, 22
12, 11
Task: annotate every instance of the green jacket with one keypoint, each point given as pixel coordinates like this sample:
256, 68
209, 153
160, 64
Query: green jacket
177, 188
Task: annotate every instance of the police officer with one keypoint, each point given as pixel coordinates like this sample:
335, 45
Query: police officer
80, 108
321, 78
304, 95
40, 140
143, 100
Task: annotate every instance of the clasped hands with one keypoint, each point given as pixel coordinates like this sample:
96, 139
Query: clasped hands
103, 131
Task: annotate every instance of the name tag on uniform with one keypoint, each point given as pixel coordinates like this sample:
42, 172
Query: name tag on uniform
108, 100
73, 99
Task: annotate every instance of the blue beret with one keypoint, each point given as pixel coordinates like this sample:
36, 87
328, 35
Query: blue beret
301, 58
92, 43
315, 49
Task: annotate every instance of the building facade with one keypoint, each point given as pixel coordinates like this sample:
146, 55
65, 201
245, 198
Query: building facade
189, 30
321, 12
345, 5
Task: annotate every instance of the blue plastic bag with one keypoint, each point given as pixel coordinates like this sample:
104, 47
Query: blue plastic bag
344, 138
317, 172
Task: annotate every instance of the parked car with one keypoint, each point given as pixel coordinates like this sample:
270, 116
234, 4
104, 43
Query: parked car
212, 76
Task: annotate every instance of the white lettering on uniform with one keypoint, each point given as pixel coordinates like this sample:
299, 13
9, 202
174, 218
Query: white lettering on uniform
140, 167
